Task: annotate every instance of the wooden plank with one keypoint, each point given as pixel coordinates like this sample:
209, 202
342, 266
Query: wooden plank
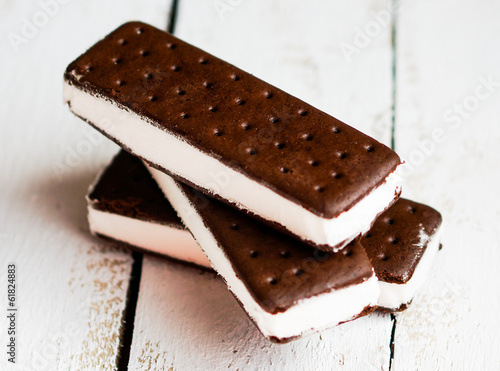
448, 104
187, 320
71, 289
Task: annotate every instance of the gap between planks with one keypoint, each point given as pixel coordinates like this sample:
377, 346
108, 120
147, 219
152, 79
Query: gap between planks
129, 313
394, 27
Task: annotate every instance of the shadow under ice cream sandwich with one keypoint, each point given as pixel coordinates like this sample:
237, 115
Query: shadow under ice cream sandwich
125, 204
233, 136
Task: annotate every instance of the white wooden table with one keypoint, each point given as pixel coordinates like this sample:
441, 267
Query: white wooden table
422, 76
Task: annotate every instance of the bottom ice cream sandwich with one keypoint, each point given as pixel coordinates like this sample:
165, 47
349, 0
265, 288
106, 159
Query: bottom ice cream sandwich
125, 204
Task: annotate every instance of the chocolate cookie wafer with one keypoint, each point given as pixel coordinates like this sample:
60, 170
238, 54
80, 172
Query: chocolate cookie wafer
232, 136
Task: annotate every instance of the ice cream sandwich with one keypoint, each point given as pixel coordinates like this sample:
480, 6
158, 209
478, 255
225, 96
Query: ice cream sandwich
233, 136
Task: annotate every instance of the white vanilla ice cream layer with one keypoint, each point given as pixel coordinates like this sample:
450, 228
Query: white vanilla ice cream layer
158, 238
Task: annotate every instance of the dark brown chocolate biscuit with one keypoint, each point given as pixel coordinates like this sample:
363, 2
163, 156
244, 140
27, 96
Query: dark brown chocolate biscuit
273, 138
126, 188
394, 243
278, 270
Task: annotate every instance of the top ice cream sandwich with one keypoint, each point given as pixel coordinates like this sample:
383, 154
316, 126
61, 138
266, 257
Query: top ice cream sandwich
233, 136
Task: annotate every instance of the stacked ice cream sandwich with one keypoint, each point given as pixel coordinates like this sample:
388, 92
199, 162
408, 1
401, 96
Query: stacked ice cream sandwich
298, 212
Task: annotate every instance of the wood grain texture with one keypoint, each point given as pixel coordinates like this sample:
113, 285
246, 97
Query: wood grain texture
186, 320
71, 288
447, 51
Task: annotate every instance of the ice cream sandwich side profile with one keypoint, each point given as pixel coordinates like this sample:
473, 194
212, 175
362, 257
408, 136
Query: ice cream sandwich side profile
233, 136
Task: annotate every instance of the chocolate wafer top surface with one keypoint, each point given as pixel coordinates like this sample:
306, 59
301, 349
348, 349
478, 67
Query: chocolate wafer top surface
298, 151
126, 188
398, 238
277, 270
